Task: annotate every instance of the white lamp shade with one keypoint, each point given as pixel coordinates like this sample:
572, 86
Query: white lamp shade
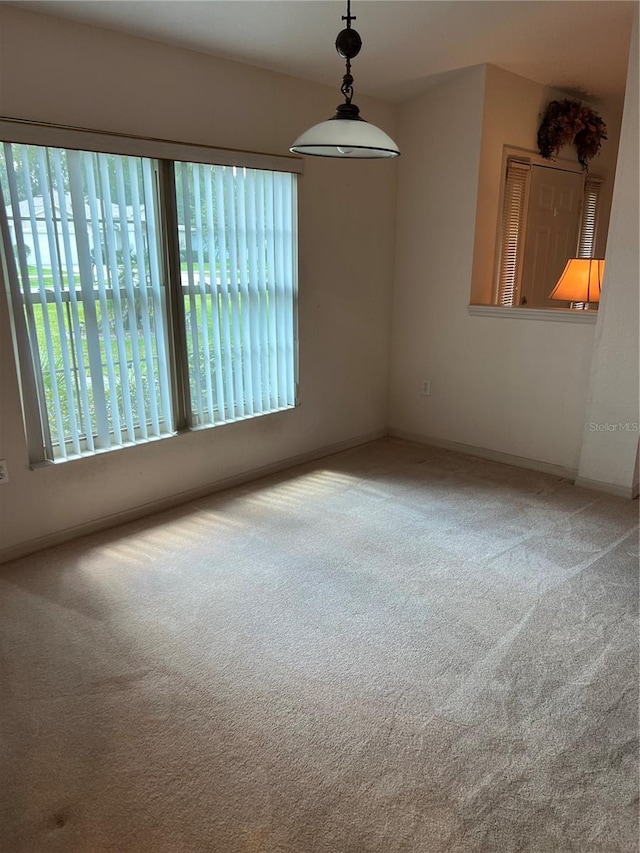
345, 138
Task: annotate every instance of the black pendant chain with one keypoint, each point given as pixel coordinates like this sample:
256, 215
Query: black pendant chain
348, 44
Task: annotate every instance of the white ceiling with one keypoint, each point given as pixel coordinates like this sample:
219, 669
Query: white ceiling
573, 45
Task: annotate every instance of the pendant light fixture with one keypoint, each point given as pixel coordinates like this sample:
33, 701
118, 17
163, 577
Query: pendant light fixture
346, 134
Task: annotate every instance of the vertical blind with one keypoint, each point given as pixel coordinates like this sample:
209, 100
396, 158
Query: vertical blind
84, 234
89, 284
237, 245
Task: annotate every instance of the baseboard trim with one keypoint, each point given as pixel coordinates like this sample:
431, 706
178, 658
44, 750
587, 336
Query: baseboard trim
485, 453
23, 549
628, 492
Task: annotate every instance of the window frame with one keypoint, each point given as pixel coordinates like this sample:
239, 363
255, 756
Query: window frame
528, 159
165, 153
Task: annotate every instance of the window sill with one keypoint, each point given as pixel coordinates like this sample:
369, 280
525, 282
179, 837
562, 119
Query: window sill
556, 315
152, 439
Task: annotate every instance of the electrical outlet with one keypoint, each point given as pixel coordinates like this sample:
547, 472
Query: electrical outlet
426, 388
4, 471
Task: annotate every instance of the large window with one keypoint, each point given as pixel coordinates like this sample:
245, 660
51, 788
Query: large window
148, 295
237, 246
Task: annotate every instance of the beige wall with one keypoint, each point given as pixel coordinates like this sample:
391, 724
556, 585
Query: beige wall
59, 71
511, 386
609, 455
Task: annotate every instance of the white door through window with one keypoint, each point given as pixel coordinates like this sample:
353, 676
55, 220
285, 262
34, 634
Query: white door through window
553, 220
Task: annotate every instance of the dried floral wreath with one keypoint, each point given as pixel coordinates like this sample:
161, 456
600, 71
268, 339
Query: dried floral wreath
566, 122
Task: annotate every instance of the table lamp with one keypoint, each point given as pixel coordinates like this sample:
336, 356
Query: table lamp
580, 282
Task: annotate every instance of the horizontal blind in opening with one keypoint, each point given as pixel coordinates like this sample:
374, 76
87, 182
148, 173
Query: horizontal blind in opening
589, 219
237, 237
512, 231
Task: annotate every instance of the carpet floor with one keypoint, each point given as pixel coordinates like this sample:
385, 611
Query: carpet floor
394, 649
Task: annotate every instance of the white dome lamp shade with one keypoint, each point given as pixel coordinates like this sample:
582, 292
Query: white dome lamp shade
346, 135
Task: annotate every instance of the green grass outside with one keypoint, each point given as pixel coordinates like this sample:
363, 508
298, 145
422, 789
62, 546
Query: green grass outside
57, 329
